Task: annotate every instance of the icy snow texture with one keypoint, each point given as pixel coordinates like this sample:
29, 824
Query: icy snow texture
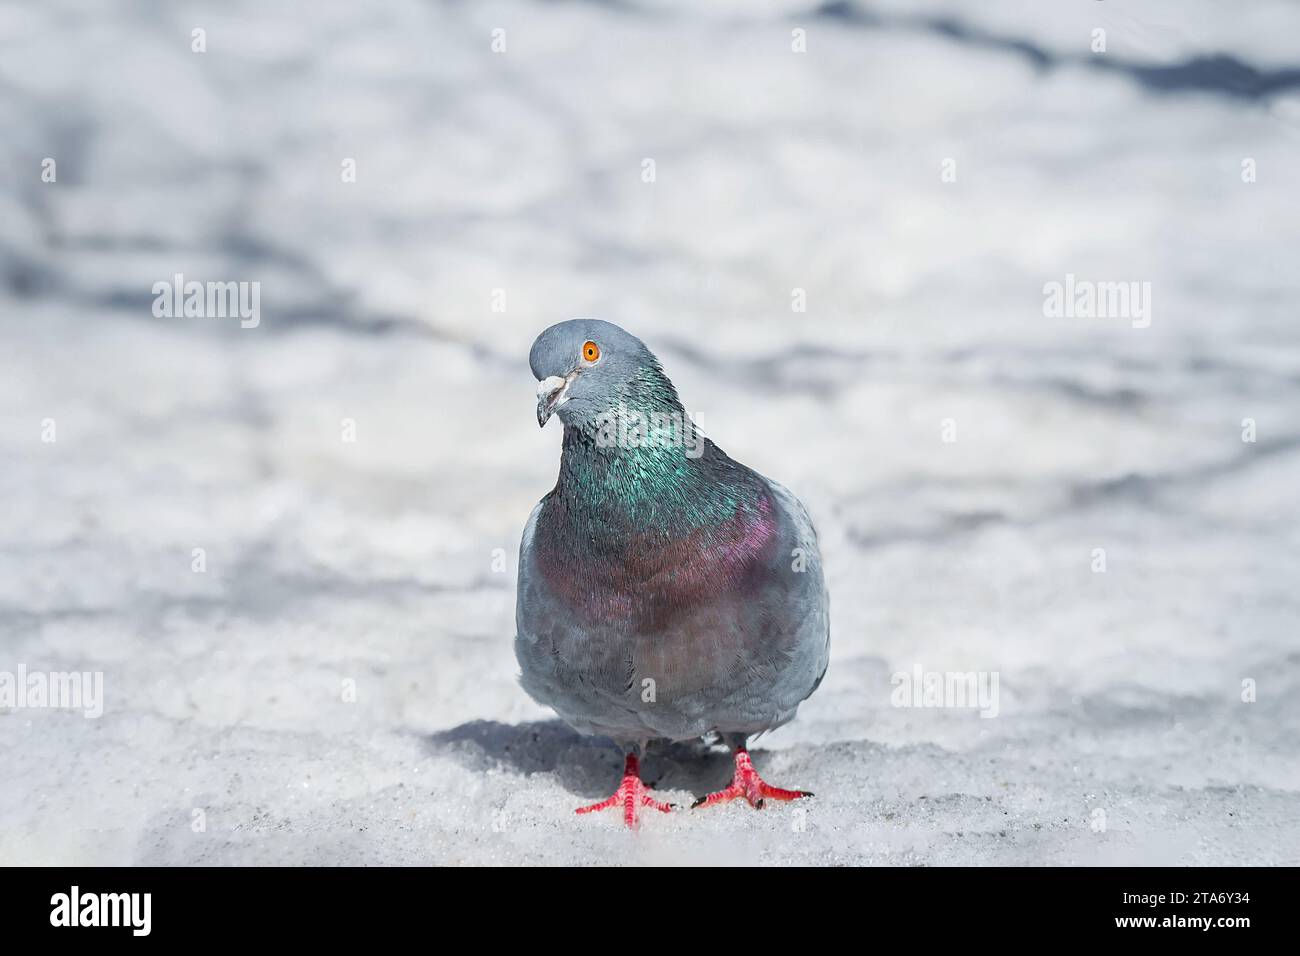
372, 561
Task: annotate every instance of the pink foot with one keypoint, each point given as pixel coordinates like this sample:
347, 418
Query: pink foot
631, 795
748, 784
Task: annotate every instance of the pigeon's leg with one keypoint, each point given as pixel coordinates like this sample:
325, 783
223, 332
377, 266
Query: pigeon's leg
631, 795
748, 784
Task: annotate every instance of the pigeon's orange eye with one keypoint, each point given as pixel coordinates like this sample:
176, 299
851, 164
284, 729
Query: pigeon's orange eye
590, 351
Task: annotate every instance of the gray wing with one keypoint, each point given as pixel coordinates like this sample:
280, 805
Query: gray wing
747, 661
803, 642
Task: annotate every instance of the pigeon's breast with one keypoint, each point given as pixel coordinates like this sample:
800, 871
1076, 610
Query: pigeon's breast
633, 631
616, 575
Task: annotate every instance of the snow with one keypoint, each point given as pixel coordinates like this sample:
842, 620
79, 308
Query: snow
384, 567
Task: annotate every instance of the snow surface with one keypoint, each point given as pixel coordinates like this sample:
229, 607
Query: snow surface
376, 561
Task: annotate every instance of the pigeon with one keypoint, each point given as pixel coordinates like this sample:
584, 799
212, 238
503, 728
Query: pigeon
666, 592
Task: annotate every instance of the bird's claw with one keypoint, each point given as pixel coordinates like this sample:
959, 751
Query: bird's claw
748, 784
631, 795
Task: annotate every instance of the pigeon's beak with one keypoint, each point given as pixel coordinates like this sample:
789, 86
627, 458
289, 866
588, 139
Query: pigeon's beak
551, 394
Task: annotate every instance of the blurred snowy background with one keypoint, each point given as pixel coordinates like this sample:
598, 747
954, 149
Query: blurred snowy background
1122, 736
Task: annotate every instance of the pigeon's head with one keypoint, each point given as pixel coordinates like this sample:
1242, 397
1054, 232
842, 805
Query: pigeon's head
586, 367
